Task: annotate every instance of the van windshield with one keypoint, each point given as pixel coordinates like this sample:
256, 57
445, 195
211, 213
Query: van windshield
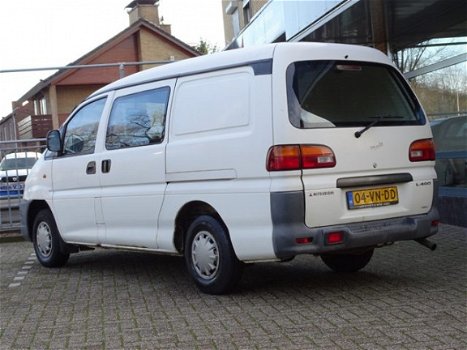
323, 94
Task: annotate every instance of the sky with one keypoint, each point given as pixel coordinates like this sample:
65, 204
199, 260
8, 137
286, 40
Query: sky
45, 33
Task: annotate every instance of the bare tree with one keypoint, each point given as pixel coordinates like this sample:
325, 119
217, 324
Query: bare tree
441, 91
418, 56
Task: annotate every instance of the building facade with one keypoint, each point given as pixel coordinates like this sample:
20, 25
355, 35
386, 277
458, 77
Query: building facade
237, 14
427, 39
47, 105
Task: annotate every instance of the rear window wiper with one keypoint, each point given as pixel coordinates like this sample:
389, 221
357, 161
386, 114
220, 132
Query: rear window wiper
376, 121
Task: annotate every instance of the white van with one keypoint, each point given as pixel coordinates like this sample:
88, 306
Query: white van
242, 156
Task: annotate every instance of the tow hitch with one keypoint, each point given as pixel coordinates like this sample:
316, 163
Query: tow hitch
426, 243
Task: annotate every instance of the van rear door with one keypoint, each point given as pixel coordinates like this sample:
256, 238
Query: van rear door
366, 149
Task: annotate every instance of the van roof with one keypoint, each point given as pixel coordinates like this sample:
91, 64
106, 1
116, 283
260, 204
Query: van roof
241, 57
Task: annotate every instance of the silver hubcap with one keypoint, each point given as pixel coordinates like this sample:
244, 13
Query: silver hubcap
205, 255
44, 239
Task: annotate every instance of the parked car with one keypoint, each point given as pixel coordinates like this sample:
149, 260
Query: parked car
450, 137
250, 155
14, 168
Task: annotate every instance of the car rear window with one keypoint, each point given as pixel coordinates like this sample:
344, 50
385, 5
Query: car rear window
325, 94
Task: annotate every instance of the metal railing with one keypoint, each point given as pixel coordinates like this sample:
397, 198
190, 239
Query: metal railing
17, 158
120, 65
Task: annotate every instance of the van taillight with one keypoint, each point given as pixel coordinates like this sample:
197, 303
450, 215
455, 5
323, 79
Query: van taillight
297, 157
316, 156
285, 157
422, 150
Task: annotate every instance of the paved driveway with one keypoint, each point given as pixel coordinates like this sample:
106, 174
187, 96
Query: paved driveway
406, 298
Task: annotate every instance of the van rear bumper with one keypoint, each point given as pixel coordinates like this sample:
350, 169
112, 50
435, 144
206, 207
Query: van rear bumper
288, 217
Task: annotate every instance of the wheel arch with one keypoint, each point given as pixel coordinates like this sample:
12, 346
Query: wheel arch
34, 208
185, 217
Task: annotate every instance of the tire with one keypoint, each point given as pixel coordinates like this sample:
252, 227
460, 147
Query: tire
349, 262
210, 258
47, 241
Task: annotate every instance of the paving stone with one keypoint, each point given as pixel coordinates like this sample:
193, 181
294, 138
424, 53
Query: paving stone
407, 298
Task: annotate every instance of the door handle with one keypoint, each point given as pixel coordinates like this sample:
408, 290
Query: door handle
106, 165
91, 168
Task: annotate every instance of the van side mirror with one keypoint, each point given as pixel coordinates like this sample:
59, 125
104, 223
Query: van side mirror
54, 142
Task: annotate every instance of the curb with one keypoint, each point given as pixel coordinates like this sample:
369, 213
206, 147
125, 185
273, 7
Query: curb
10, 237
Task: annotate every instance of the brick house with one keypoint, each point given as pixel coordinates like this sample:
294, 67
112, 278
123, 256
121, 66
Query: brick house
47, 105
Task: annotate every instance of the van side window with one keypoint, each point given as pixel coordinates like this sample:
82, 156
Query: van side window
138, 119
81, 130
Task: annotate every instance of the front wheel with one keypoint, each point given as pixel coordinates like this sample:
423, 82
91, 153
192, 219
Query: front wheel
46, 240
347, 262
210, 258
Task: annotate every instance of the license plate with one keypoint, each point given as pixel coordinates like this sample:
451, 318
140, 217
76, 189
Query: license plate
12, 189
374, 197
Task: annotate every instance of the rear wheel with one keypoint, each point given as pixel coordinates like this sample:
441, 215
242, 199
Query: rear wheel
210, 258
347, 262
46, 240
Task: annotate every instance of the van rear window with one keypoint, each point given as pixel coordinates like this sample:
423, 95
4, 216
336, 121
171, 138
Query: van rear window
324, 94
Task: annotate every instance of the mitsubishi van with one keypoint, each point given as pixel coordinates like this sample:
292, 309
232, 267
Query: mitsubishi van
242, 156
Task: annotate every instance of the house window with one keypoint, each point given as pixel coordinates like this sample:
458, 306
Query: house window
37, 108
235, 23
43, 103
247, 14
40, 106
232, 10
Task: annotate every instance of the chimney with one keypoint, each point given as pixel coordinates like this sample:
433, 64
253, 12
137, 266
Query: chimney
145, 9
165, 27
